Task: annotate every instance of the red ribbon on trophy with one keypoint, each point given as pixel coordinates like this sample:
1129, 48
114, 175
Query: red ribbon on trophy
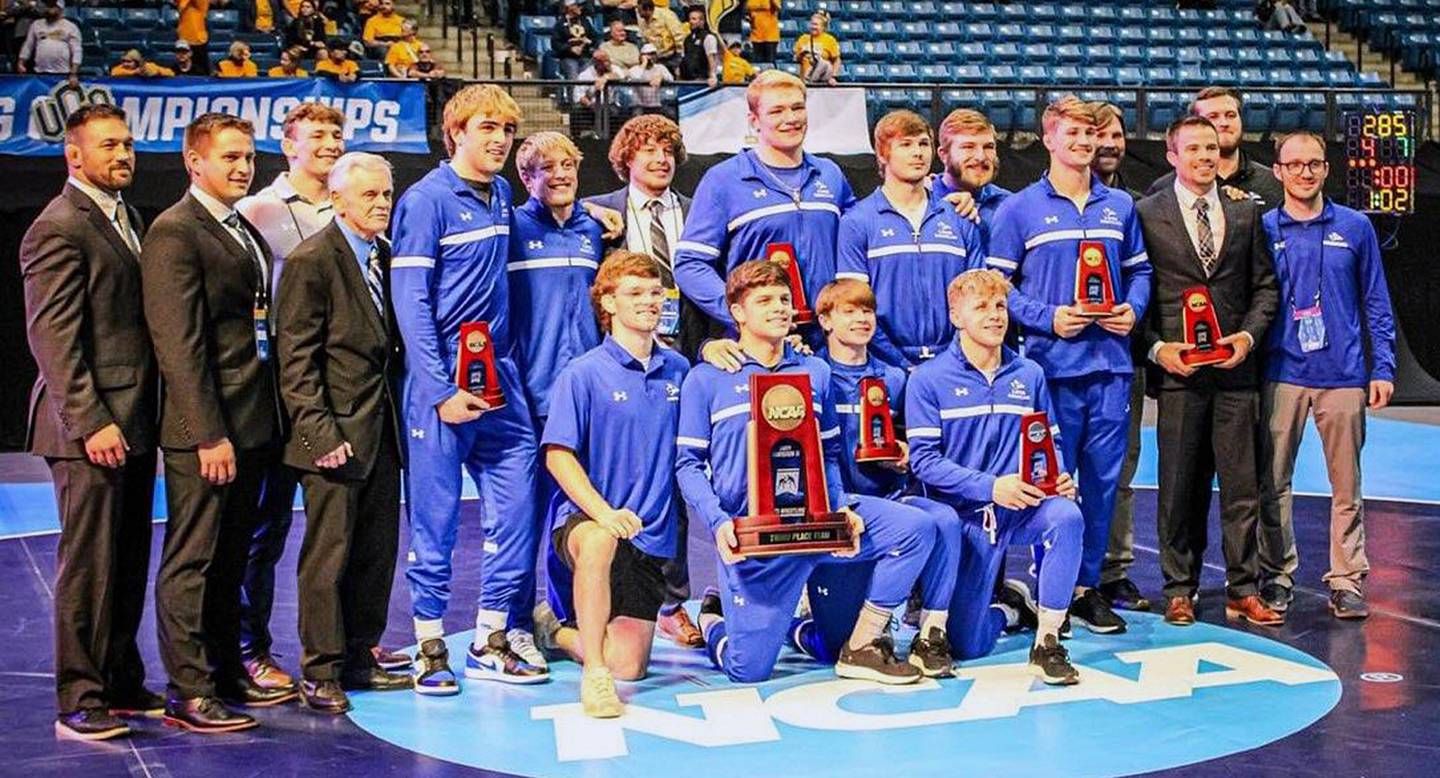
783, 254
877, 428
475, 364
1202, 329
1094, 289
1039, 466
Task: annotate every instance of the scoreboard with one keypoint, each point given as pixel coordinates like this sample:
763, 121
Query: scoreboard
1380, 161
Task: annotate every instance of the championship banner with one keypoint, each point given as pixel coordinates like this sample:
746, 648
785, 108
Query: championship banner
712, 121
379, 115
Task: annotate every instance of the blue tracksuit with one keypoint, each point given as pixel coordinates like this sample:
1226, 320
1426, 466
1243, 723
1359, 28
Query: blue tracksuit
1335, 259
1036, 240
964, 432
449, 260
760, 594
602, 407
909, 270
741, 206
988, 201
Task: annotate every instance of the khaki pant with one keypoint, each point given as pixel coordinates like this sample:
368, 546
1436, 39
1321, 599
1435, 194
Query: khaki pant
1340, 418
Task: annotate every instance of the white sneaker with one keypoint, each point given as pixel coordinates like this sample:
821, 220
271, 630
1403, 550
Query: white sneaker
523, 643
597, 694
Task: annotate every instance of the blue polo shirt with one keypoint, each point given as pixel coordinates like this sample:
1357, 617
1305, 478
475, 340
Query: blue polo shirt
448, 268
909, 270
742, 206
550, 271
964, 428
988, 201
868, 478
712, 462
1337, 257
620, 418
1036, 240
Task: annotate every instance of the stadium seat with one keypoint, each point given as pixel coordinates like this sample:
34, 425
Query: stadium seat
1042, 32
942, 51
1288, 114
1160, 75
951, 99
140, 18
898, 73
1010, 33
1129, 75
1218, 75
935, 73
1068, 75
1026, 111
999, 109
1161, 55
1162, 108
1005, 52
223, 19
988, 12
888, 30
1072, 33
1045, 12
1036, 53
1340, 79
864, 72
1194, 55
1099, 54
1190, 75
908, 51
1100, 32
99, 18
1000, 74
877, 51
913, 31
1130, 55
1257, 115
978, 53
1100, 74
948, 31
1034, 74
1315, 111
1070, 54
1252, 56
967, 74
979, 31
924, 9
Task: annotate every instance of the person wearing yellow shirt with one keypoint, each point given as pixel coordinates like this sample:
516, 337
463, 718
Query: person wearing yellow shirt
384, 28
133, 65
818, 52
289, 66
736, 69
192, 29
264, 15
404, 52
238, 64
764, 29
337, 64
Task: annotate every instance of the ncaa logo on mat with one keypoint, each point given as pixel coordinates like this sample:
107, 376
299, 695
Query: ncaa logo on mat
1181, 687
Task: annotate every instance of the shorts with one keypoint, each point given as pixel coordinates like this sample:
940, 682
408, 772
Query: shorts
637, 579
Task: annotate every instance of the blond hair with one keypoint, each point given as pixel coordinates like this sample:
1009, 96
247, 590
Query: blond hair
770, 81
1067, 107
477, 99
538, 147
844, 291
979, 282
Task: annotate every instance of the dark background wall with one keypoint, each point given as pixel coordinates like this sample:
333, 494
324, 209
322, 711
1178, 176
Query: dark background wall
1412, 261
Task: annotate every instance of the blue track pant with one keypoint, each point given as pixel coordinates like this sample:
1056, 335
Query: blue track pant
1094, 415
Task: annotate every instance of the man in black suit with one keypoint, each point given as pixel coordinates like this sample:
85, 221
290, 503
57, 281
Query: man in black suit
340, 374
1202, 235
207, 302
92, 416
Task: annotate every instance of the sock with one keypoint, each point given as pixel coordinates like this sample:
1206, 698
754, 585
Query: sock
1012, 616
802, 608
487, 622
429, 629
932, 620
1050, 621
873, 621
708, 621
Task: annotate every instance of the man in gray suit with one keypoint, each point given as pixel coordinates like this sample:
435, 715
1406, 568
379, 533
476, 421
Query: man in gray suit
92, 416
1202, 235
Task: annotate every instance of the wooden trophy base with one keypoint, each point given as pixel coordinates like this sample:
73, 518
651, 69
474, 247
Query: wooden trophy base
890, 453
768, 535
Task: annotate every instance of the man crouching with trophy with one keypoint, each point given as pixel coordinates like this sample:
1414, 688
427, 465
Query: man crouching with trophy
750, 461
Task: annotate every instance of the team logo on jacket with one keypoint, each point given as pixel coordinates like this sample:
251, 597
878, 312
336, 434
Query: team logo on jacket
944, 231
1018, 390
887, 233
1108, 216
821, 190
619, 396
466, 216
1052, 219
758, 193
672, 392
535, 245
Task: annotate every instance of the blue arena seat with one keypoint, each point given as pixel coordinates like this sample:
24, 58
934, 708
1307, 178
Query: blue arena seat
1042, 32
908, 51
1005, 52
98, 18
999, 108
140, 18
979, 31
914, 31
1100, 74
1219, 75
1162, 55
935, 73
1340, 79
889, 30
864, 72
1160, 75
1162, 108
1251, 56
943, 51
1027, 115
1190, 75
223, 19
877, 51
1000, 74
1129, 75
1250, 76
1034, 74
1288, 112
968, 73
1037, 53
1258, 113
1070, 54
1045, 12
1315, 110
1072, 33
1130, 54
948, 31
1099, 54
978, 53
898, 73
1100, 32
924, 9
1012, 33
1068, 75
988, 12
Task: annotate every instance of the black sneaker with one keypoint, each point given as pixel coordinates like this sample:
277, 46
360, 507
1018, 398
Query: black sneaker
1348, 605
1125, 595
1051, 663
1016, 595
710, 603
90, 724
1276, 597
931, 654
1092, 612
876, 661
433, 675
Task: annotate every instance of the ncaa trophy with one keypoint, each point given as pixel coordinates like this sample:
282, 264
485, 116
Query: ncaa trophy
1202, 329
1039, 466
1094, 289
783, 254
877, 428
789, 503
475, 368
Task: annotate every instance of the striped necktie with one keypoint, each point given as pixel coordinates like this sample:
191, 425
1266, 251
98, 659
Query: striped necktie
659, 242
1205, 236
374, 279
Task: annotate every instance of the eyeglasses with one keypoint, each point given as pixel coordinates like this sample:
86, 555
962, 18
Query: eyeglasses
1295, 168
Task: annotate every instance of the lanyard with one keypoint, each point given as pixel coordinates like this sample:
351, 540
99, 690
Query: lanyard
1290, 266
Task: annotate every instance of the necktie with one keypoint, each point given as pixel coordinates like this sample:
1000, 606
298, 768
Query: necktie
122, 225
374, 280
659, 243
243, 236
1205, 237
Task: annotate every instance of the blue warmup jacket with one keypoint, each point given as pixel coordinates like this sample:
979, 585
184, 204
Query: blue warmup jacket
1337, 257
869, 479
550, 271
909, 270
740, 208
1036, 239
991, 196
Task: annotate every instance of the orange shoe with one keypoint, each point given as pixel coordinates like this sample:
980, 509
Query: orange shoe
1180, 611
678, 627
268, 675
1253, 610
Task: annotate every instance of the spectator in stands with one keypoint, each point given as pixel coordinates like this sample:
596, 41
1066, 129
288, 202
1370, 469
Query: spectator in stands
1279, 15
52, 44
572, 40
425, 67
622, 11
290, 61
383, 29
764, 29
307, 30
15, 19
623, 53
737, 69
818, 52
702, 57
258, 15
652, 73
404, 52
662, 29
184, 64
193, 29
590, 95
337, 63
1223, 107
237, 62
133, 65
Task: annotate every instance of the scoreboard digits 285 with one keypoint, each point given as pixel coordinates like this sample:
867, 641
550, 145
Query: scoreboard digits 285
1380, 161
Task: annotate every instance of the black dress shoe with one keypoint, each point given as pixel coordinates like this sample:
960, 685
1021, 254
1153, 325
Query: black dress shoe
139, 703
324, 696
206, 715
375, 679
90, 724
244, 691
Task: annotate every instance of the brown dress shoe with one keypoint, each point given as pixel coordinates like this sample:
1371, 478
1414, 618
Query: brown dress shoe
1180, 611
268, 675
1253, 610
679, 628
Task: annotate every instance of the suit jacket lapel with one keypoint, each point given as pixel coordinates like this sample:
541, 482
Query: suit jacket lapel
218, 230
1176, 218
101, 224
354, 278
1231, 209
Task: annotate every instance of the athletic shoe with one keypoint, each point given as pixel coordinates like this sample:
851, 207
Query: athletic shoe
90, 724
1276, 596
931, 654
710, 603
1125, 595
1051, 663
597, 694
1251, 609
547, 624
523, 643
1180, 611
1015, 595
1348, 605
679, 628
1092, 612
876, 661
390, 660
433, 676
497, 661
